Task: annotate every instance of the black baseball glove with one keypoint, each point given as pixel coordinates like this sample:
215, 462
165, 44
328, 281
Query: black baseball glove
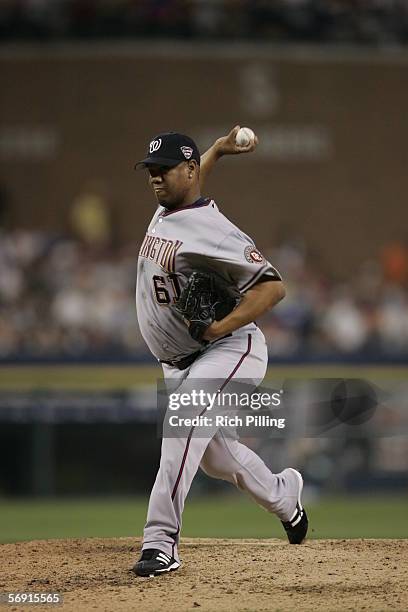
205, 298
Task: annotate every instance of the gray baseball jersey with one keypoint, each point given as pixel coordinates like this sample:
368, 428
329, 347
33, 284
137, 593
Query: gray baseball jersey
196, 237
200, 237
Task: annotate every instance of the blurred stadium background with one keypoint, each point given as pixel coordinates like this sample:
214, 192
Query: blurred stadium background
84, 85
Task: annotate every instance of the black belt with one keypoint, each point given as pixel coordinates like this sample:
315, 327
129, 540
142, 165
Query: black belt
185, 362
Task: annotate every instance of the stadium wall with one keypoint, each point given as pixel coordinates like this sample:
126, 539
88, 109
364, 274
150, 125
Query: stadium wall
330, 166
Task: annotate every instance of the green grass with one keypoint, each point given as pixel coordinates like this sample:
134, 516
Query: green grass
231, 516
127, 376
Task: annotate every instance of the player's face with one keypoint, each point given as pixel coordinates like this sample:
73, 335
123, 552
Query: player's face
170, 185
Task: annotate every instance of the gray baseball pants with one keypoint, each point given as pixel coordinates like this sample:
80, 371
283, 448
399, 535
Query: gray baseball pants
240, 356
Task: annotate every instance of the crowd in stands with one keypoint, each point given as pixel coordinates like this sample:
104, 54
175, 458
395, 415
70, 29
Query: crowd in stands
62, 298
375, 22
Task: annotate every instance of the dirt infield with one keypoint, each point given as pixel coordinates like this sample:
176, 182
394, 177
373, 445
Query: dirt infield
216, 575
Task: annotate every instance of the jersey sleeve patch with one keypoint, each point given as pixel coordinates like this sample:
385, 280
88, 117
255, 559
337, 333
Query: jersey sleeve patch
252, 255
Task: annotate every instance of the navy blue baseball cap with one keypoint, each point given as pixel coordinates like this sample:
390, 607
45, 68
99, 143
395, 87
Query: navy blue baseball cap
170, 149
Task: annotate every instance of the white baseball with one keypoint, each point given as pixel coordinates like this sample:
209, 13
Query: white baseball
244, 137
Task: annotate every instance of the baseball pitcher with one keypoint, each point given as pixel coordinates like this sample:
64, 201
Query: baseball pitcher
201, 284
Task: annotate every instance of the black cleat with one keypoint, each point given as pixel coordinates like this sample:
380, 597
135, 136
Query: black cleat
154, 562
296, 528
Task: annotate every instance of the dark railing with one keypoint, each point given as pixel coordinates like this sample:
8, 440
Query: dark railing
360, 21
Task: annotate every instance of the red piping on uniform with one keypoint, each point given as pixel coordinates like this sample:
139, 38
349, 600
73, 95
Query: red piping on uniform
201, 413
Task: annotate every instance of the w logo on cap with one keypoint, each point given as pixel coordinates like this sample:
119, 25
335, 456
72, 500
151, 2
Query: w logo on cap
187, 152
155, 145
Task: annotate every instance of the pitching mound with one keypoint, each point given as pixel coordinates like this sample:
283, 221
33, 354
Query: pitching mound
216, 575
